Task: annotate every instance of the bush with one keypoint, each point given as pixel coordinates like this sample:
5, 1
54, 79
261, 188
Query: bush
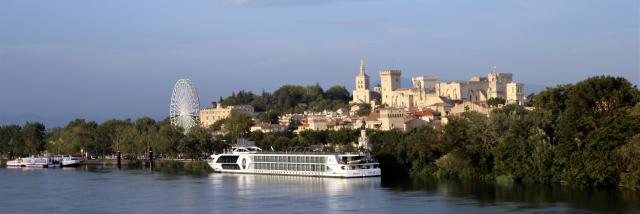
198, 167
505, 179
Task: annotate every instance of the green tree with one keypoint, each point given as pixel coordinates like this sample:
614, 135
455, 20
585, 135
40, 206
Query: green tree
33, 137
237, 125
310, 137
10, 140
114, 131
148, 134
342, 136
268, 117
203, 138
496, 101
469, 142
364, 109
78, 135
389, 150
189, 146
169, 140
594, 123
338, 93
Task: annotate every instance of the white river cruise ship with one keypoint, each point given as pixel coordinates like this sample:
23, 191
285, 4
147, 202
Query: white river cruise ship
252, 160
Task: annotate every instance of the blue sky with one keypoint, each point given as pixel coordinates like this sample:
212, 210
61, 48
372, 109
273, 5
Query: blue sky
102, 59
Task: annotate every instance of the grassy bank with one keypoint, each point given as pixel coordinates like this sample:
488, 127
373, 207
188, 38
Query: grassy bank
113, 162
3, 162
198, 167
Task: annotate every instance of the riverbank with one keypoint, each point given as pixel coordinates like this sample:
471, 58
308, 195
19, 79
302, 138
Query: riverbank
3, 162
196, 167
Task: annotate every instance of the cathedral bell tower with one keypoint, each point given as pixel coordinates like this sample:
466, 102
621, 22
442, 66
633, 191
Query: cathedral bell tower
361, 93
362, 79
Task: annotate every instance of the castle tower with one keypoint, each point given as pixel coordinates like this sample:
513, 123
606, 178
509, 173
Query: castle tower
492, 91
362, 94
498, 84
515, 93
392, 118
389, 82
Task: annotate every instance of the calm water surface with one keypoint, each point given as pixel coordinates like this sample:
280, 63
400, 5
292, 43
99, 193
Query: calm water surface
109, 190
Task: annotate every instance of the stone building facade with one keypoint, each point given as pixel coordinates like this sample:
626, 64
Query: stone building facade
209, 116
427, 92
391, 118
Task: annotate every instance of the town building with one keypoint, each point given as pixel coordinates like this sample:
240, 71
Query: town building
480, 89
267, 128
317, 123
391, 118
427, 115
464, 106
209, 116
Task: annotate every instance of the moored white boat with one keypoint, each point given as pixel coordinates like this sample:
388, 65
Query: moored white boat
252, 161
32, 162
17, 163
71, 161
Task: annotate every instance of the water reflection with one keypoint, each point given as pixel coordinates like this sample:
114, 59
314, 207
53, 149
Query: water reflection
282, 192
297, 184
135, 190
530, 196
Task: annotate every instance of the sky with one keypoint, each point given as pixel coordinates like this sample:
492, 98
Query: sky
100, 59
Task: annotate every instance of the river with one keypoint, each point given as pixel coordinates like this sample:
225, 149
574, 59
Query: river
110, 190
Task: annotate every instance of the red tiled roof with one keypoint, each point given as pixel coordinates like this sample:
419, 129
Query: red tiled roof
426, 112
373, 116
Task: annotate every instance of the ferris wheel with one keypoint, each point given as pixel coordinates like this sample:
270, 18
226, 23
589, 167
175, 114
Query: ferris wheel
185, 105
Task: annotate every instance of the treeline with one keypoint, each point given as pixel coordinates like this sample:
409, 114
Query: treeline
132, 138
23, 140
582, 134
135, 138
292, 99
